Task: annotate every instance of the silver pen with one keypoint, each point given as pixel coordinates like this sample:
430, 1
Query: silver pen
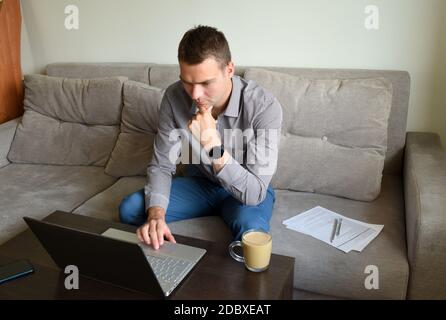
338, 230
335, 226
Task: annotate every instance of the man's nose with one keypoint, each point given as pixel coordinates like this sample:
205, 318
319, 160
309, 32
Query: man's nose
196, 92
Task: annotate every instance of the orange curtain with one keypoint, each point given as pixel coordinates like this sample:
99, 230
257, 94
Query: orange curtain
11, 85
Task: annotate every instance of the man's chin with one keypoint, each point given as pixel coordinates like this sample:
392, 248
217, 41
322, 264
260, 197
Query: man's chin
204, 105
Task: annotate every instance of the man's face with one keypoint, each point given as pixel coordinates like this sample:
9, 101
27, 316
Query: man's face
207, 83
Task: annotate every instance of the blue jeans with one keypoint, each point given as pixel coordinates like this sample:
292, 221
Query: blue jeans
192, 197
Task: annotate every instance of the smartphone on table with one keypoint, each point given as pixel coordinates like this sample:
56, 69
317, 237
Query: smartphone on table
15, 270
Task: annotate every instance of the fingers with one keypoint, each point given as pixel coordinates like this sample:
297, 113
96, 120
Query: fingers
194, 126
169, 236
153, 234
160, 233
190, 124
138, 234
204, 109
144, 233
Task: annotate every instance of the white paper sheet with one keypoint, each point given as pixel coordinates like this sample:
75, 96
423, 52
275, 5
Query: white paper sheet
318, 222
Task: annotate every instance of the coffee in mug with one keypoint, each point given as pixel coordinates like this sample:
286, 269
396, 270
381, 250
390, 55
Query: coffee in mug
256, 246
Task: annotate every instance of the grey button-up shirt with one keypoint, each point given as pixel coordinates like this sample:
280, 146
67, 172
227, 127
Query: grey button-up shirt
250, 131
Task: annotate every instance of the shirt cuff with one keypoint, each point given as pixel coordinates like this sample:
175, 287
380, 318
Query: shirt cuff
156, 200
230, 175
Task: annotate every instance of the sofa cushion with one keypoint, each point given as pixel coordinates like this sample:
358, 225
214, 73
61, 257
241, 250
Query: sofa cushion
323, 269
68, 121
90, 70
38, 190
105, 205
134, 148
334, 133
7, 131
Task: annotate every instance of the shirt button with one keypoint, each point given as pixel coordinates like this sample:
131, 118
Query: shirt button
324, 138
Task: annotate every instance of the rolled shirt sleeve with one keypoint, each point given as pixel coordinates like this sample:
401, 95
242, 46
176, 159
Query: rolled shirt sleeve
163, 164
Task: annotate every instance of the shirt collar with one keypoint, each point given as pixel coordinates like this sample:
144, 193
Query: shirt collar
233, 107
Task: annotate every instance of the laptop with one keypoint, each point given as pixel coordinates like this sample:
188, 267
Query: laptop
118, 257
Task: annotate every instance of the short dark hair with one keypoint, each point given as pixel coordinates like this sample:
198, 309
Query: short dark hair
202, 42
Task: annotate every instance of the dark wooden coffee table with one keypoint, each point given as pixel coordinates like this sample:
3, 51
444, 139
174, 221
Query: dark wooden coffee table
216, 276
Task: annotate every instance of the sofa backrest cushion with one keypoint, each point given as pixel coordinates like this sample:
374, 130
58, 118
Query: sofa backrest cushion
334, 133
88, 70
134, 148
68, 121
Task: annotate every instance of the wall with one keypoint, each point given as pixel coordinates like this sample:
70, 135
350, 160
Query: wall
295, 33
439, 83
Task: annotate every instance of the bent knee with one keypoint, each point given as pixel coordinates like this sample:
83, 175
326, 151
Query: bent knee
251, 221
131, 208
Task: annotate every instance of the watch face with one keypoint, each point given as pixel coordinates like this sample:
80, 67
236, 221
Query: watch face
216, 152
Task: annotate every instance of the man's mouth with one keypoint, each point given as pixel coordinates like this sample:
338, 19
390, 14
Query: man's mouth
203, 104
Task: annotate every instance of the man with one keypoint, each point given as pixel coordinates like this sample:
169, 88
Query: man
212, 104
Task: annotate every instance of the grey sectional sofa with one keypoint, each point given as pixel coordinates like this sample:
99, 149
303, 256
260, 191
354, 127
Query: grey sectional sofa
410, 252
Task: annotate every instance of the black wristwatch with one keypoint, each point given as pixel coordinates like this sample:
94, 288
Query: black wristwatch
216, 152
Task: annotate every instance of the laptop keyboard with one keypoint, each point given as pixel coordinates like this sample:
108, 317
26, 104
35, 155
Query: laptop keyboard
168, 269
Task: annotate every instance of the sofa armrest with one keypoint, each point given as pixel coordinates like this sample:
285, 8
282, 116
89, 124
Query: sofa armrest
7, 131
425, 202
